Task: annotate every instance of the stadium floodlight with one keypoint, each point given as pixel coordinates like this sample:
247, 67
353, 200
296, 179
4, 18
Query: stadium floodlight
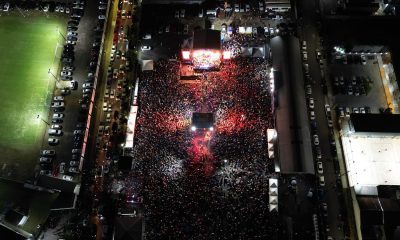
193, 128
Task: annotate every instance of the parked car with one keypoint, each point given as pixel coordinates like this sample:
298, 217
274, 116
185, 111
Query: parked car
322, 181
58, 116
73, 170
76, 150
48, 153
74, 85
145, 48
320, 168
53, 141
66, 177
57, 104
62, 167
58, 98
45, 172
316, 139
65, 91
74, 163
311, 103
45, 160
55, 132
56, 126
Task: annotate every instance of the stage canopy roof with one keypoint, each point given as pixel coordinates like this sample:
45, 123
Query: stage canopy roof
207, 39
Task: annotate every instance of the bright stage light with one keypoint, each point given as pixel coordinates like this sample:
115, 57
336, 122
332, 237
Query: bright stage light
211, 129
186, 55
206, 58
226, 55
193, 128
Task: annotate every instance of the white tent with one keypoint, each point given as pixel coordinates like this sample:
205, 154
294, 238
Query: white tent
273, 208
147, 65
273, 200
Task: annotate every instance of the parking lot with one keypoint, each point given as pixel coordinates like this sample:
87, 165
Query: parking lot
357, 75
74, 93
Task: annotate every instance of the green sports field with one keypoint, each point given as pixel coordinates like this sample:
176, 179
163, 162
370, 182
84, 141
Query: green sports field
27, 51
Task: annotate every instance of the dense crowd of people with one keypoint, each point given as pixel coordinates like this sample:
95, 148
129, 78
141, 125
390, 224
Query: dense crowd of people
205, 184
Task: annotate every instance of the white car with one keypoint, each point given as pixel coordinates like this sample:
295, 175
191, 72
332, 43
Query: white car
53, 141
46, 7
87, 85
50, 153
56, 126
66, 177
102, 17
316, 139
66, 73
76, 151
70, 42
363, 59
311, 103
72, 33
58, 116
58, 98
57, 104
68, 68
237, 9
102, 6
145, 48
312, 115
320, 168
55, 132
322, 181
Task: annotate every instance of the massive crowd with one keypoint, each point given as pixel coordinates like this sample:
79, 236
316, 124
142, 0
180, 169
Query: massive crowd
205, 185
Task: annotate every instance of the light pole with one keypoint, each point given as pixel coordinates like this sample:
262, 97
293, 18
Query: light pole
58, 30
49, 72
38, 117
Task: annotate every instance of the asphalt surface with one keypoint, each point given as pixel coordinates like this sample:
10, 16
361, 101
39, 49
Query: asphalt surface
333, 226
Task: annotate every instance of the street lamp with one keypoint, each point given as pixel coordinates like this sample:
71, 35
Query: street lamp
58, 30
49, 72
38, 117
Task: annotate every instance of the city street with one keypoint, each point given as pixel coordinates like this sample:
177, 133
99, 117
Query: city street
333, 196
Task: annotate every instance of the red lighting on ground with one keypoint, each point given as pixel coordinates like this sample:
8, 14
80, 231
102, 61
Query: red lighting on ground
186, 55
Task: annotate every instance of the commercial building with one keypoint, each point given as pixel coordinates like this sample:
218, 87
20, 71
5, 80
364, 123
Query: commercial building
372, 159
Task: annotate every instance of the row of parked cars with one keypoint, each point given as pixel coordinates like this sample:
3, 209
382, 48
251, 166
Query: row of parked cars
354, 85
352, 58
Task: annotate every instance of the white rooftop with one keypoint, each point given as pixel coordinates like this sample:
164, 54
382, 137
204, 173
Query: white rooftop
372, 160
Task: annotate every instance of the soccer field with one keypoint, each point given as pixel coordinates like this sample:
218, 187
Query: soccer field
28, 48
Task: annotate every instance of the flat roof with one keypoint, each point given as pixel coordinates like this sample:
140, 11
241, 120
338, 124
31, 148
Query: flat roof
371, 160
383, 123
292, 124
207, 39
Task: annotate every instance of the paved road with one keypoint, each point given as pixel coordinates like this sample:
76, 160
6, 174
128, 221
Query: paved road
332, 196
